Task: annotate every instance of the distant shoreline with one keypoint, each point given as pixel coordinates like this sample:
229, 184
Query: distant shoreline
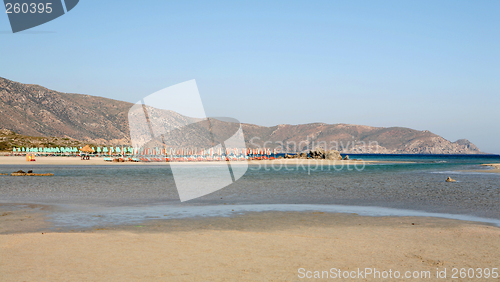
18, 160
9, 153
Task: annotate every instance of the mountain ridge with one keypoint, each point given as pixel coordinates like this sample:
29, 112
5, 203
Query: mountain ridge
34, 110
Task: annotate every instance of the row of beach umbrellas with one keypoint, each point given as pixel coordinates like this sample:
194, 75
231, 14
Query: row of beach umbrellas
145, 151
70, 150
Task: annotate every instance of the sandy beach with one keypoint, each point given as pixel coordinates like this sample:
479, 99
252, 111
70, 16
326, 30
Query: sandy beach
17, 160
268, 246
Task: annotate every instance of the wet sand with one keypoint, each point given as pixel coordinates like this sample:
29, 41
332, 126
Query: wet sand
266, 246
494, 168
18, 218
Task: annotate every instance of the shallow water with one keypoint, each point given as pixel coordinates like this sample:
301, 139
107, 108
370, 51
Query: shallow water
89, 217
148, 190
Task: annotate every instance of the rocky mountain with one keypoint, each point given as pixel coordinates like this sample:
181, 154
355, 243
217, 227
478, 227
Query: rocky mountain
348, 138
37, 111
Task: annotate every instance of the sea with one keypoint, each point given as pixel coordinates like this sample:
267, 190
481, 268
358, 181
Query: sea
400, 185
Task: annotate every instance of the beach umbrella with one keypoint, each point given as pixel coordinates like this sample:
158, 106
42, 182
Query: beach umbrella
87, 149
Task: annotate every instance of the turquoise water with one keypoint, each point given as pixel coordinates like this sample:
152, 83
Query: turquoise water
124, 194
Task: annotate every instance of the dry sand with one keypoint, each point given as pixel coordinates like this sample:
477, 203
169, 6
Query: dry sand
269, 246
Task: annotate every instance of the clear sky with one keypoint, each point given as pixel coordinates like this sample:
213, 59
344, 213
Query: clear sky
431, 65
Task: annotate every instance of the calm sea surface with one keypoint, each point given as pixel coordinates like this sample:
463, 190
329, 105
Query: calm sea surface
93, 195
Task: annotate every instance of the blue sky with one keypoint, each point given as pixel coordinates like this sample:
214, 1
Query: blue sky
431, 65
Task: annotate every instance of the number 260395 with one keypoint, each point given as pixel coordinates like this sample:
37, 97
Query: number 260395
475, 273
30, 8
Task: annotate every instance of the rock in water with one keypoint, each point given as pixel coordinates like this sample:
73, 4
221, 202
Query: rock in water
333, 155
346, 158
319, 153
30, 173
449, 179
